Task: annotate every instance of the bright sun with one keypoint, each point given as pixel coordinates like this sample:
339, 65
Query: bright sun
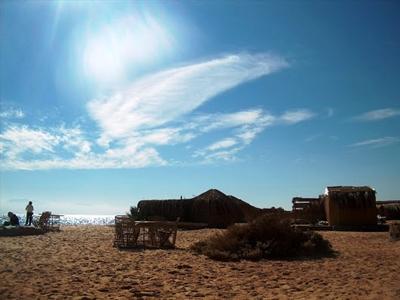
116, 48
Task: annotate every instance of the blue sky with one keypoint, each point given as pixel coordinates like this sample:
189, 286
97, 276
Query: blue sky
107, 103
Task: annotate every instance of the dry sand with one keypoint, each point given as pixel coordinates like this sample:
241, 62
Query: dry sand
80, 263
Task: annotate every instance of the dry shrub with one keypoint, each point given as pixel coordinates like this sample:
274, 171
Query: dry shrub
266, 237
390, 211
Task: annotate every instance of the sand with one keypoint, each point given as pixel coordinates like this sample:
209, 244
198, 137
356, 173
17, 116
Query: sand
80, 263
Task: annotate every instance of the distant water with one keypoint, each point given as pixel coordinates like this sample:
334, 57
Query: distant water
87, 219
73, 219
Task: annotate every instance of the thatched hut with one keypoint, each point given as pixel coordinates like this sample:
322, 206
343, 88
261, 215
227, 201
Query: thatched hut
212, 207
309, 209
350, 205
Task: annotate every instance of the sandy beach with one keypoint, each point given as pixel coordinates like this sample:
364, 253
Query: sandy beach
80, 263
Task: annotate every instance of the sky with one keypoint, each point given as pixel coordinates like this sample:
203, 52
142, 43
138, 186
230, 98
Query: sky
107, 103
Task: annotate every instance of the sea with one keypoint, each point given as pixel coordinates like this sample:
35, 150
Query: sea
72, 219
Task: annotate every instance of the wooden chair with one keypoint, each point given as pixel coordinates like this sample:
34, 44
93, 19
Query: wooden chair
44, 221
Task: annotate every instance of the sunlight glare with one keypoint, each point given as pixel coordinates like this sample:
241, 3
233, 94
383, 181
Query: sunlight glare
111, 52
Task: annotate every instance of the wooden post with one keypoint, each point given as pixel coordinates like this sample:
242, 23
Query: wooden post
394, 231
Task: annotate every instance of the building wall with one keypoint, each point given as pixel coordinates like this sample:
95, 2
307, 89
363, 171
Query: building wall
218, 213
310, 209
352, 214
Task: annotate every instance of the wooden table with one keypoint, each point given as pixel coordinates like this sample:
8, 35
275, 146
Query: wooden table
55, 222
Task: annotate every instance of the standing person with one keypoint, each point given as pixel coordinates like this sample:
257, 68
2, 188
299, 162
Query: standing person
29, 213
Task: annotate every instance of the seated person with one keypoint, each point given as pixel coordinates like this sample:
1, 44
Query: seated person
14, 221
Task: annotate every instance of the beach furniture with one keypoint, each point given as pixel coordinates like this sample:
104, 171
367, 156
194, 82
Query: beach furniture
157, 234
55, 222
44, 221
146, 234
126, 233
48, 221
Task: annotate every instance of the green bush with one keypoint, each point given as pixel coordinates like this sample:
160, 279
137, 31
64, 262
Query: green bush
266, 237
135, 214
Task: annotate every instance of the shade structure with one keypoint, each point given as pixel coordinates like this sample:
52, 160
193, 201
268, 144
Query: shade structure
212, 207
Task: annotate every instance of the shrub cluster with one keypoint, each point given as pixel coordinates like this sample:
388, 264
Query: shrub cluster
135, 214
390, 211
266, 237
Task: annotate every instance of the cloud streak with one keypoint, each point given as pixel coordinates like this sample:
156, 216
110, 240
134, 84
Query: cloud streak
247, 125
296, 116
377, 143
378, 114
153, 112
169, 95
12, 114
22, 147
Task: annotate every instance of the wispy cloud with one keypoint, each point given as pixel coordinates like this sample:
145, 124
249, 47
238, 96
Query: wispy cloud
169, 95
243, 128
241, 118
12, 113
221, 155
18, 139
25, 148
377, 143
312, 138
378, 114
246, 131
21, 139
330, 112
222, 144
296, 116
153, 112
